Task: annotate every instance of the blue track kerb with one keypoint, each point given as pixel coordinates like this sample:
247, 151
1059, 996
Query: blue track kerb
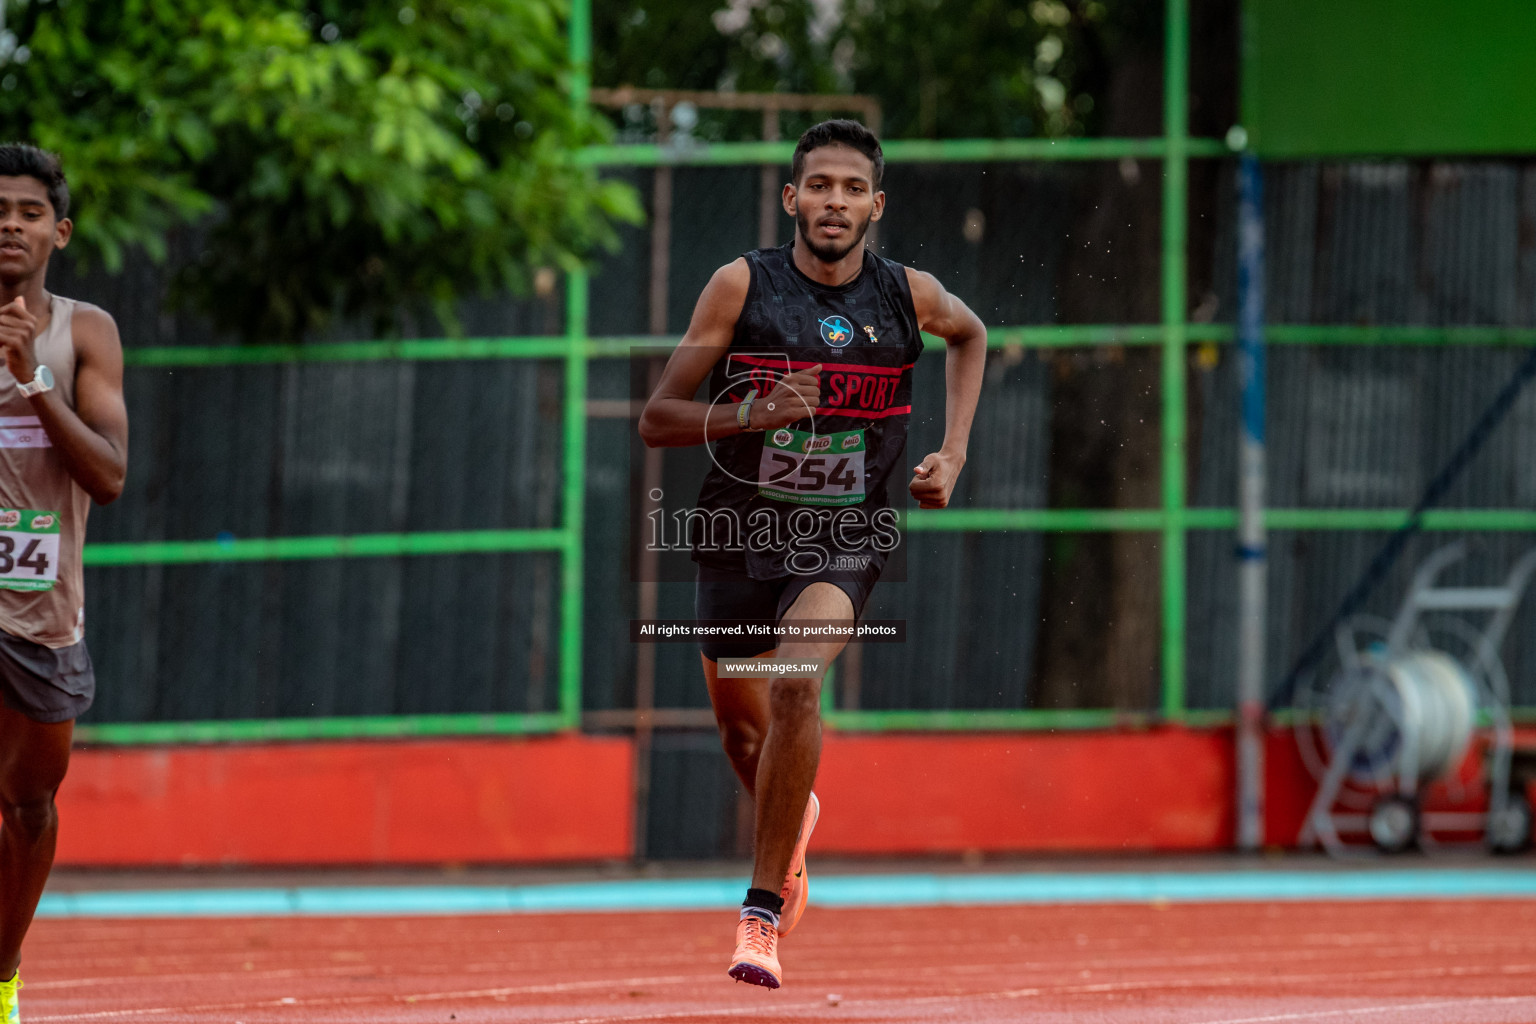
913, 890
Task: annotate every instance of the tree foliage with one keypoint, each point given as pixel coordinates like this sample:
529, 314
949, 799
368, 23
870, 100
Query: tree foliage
986, 68
340, 157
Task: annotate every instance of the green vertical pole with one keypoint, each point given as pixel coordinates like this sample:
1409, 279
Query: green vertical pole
1176, 132
581, 53
573, 512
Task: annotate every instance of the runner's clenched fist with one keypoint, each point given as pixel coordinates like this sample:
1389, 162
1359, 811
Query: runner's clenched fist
18, 331
933, 479
794, 397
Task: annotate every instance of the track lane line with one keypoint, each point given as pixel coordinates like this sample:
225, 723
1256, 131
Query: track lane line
416, 997
1360, 1011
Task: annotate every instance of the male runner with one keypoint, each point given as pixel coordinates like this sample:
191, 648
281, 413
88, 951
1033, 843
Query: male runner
809, 348
63, 442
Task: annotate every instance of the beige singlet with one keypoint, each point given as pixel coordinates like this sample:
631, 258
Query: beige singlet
33, 477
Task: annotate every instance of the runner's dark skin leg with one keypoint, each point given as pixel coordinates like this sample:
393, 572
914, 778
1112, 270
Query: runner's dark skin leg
791, 749
33, 759
741, 713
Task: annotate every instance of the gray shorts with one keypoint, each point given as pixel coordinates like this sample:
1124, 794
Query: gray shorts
44, 683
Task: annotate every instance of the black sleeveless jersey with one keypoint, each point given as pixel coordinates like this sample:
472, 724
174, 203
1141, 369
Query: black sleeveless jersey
836, 465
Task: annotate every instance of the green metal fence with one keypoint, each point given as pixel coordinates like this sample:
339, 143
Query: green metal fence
1172, 519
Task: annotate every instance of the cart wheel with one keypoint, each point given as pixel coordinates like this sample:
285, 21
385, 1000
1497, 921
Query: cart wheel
1394, 824
1510, 832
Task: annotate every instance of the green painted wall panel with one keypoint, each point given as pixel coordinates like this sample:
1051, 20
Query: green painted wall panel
1389, 77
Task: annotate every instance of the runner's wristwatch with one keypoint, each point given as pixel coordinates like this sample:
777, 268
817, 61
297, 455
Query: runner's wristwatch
744, 413
41, 381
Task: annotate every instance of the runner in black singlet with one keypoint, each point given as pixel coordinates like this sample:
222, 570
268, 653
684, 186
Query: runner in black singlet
864, 336
809, 350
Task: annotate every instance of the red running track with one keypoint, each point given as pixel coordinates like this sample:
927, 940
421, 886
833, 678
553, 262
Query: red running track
1364, 963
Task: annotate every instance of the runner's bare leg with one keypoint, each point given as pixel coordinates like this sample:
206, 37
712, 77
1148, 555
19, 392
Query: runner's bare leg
741, 713
791, 750
33, 759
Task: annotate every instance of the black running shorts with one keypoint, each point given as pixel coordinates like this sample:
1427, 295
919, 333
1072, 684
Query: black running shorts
46, 684
726, 596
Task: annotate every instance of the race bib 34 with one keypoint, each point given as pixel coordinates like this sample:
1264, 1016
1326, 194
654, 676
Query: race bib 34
29, 549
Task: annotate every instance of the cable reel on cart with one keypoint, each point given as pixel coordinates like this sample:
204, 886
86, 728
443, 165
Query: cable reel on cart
1400, 707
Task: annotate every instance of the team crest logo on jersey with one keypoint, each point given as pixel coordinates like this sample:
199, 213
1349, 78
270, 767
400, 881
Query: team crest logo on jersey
836, 331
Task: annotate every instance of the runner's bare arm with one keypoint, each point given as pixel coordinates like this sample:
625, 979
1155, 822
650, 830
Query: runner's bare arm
940, 313
92, 438
672, 418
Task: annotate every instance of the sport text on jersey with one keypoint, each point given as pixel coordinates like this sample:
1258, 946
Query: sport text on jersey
863, 390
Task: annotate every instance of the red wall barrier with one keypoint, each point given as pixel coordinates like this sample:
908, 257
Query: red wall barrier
560, 798
1165, 789
567, 798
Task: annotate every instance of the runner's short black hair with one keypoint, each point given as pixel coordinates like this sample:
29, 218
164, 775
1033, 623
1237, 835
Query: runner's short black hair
839, 133
20, 160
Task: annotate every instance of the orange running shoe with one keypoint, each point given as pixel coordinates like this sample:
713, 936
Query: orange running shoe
757, 953
797, 886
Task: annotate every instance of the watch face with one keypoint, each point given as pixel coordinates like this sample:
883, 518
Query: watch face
44, 377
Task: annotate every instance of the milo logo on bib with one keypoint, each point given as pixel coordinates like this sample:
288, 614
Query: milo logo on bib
812, 469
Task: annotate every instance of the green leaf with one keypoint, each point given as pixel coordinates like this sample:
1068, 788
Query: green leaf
357, 177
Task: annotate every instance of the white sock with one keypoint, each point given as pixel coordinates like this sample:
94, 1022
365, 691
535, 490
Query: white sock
761, 914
